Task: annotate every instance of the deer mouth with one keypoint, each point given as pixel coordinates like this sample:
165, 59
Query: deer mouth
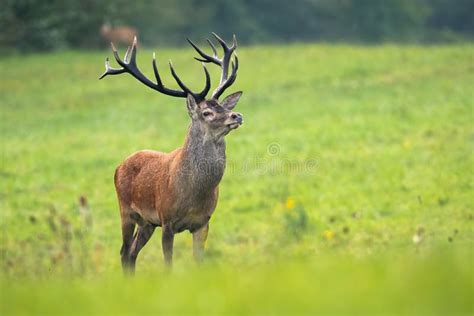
234, 125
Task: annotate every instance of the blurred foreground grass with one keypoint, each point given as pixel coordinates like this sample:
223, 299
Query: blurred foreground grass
348, 190
438, 284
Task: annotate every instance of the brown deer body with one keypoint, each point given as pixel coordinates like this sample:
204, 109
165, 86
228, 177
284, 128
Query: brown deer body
118, 34
177, 191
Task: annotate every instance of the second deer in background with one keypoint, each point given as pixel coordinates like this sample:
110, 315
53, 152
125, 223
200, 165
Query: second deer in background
119, 34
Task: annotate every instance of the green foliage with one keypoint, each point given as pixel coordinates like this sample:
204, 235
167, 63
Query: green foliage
29, 25
36, 25
373, 145
295, 219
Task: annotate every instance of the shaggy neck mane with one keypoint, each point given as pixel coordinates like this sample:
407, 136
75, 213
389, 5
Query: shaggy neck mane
203, 159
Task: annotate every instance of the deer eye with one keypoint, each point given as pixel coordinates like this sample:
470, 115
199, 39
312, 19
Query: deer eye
207, 113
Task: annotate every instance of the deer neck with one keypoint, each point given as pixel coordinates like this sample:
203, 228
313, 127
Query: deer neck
203, 159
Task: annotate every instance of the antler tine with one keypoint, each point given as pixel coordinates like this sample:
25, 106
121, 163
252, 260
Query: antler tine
205, 57
234, 42
180, 83
207, 87
125, 59
155, 70
228, 82
223, 62
117, 57
235, 67
109, 70
129, 64
222, 42
197, 96
133, 56
214, 51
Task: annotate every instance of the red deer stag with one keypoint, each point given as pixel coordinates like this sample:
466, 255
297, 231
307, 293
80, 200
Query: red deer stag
118, 34
179, 190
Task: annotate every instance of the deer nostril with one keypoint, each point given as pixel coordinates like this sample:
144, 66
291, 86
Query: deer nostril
234, 116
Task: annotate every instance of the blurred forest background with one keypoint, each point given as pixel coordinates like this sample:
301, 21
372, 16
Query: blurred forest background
38, 25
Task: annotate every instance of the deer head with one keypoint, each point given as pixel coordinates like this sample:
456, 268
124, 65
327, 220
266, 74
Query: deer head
216, 119
105, 29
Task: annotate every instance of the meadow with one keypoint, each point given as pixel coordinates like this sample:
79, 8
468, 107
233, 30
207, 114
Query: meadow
348, 189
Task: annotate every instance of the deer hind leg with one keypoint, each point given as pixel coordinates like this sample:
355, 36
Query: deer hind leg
128, 227
143, 234
199, 241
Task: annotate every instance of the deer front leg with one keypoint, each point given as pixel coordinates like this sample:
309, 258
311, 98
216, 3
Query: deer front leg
167, 239
199, 241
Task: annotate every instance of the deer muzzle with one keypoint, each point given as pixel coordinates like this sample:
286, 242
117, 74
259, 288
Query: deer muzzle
235, 120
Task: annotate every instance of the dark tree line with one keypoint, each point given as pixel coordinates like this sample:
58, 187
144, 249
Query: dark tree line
46, 25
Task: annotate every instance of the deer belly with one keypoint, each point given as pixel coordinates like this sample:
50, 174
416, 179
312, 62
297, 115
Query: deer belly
143, 203
191, 221
194, 216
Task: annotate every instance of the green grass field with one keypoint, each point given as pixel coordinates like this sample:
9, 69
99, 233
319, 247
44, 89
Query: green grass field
348, 190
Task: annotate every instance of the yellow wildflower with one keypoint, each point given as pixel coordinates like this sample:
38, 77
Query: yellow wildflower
407, 144
290, 203
328, 234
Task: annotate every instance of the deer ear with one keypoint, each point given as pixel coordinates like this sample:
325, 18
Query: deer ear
231, 100
191, 104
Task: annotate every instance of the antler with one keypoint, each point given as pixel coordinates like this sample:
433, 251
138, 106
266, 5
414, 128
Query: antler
129, 64
222, 62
